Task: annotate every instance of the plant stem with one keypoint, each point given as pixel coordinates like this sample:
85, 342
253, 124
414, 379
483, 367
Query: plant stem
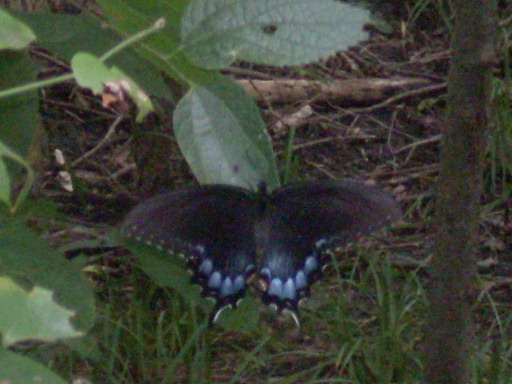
35, 85
158, 25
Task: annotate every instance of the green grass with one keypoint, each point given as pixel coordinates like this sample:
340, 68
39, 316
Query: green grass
149, 336
499, 172
362, 324
493, 362
433, 10
500, 150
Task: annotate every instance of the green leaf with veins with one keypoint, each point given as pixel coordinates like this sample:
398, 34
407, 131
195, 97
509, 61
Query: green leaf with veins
274, 32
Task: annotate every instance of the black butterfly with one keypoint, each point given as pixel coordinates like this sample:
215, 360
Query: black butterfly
229, 234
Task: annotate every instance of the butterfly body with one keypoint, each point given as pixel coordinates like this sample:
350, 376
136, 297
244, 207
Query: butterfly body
230, 234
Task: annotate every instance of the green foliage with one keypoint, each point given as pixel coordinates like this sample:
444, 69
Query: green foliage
217, 126
28, 258
58, 291
90, 72
16, 369
65, 35
207, 38
147, 333
19, 113
426, 8
374, 321
166, 270
170, 271
500, 150
5, 181
493, 362
261, 31
361, 326
32, 315
42, 298
162, 49
13, 33
190, 44
5, 186
222, 136
245, 318
284, 32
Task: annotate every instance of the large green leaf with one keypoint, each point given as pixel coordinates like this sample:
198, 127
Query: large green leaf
27, 257
16, 369
215, 33
223, 138
13, 33
31, 315
18, 114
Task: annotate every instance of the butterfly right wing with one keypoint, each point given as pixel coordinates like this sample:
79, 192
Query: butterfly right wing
212, 226
304, 222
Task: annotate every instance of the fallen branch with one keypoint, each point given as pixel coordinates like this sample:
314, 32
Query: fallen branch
351, 92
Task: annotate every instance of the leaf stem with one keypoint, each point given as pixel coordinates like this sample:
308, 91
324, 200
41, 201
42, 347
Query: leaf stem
35, 85
157, 26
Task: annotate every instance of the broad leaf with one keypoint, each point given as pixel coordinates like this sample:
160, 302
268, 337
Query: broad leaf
219, 141
90, 72
18, 114
14, 34
215, 33
31, 315
16, 369
28, 257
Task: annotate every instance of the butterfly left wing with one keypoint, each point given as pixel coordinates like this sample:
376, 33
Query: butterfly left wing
212, 226
303, 221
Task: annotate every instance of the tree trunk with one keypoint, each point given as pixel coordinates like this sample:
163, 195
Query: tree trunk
449, 336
